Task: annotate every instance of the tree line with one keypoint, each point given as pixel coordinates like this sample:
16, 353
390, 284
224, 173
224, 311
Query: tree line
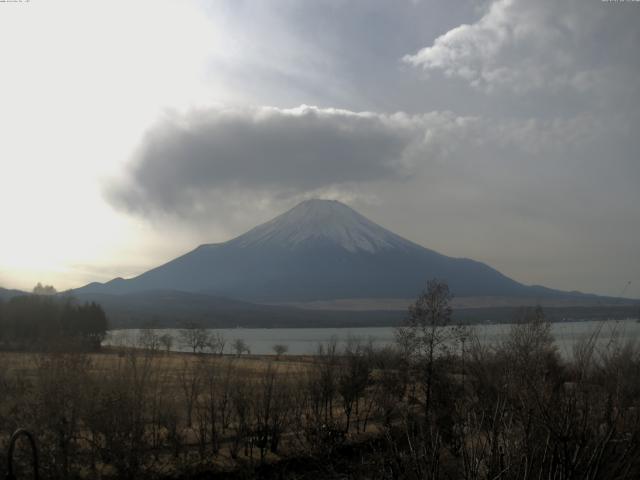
30, 322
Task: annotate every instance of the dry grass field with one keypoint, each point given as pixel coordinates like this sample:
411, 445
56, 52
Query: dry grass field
162, 413
25, 364
514, 411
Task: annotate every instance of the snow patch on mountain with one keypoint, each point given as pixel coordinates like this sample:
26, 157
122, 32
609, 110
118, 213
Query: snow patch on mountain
322, 221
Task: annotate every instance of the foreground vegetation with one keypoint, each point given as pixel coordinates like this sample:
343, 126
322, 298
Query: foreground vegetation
423, 409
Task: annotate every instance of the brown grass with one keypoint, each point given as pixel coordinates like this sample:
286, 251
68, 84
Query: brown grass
24, 364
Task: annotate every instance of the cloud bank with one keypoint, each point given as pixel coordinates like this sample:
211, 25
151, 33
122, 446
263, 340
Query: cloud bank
523, 46
186, 157
188, 162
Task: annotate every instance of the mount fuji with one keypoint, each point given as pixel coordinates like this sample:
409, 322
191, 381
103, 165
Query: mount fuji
319, 250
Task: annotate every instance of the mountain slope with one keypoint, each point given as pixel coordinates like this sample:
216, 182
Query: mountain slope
318, 250
6, 294
174, 309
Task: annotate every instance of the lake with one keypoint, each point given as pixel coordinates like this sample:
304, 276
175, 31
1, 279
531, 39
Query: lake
301, 341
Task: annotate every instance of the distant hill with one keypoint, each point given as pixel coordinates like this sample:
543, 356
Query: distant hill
320, 250
173, 309
6, 294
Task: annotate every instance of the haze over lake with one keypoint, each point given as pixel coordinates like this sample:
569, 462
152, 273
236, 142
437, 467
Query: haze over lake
304, 341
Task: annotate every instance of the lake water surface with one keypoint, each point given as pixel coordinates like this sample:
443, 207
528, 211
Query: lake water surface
301, 341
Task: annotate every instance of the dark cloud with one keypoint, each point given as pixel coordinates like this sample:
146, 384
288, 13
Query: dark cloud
189, 163
184, 158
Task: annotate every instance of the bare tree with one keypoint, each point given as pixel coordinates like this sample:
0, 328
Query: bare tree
240, 346
166, 340
190, 384
195, 337
117, 420
149, 340
322, 431
209, 401
424, 331
241, 414
216, 343
530, 340
280, 349
353, 379
61, 406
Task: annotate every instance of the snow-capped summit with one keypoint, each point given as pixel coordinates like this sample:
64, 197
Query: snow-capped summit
322, 222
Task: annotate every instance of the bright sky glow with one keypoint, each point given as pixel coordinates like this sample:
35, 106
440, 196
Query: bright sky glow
81, 80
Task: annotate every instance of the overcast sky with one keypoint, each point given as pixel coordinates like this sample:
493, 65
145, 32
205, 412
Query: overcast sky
506, 131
